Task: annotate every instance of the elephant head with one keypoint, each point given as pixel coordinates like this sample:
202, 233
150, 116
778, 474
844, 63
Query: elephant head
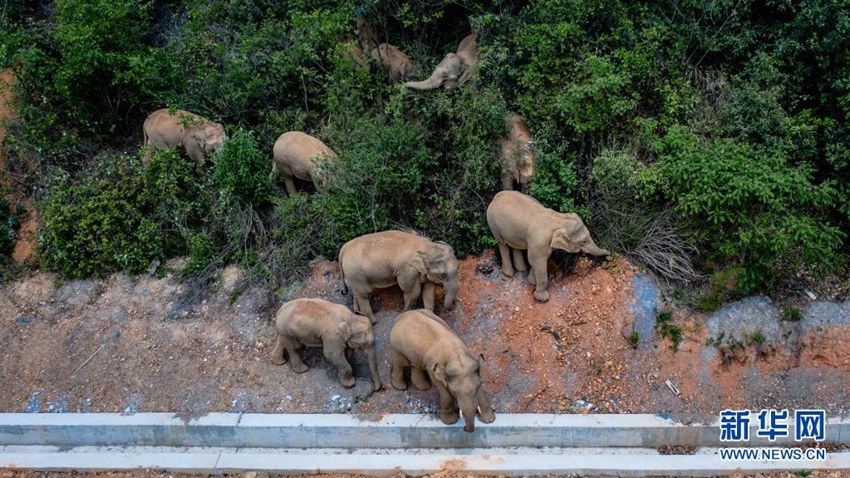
439, 265
446, 75
574, 238
357, 333
461, 375
210, 136
454, 70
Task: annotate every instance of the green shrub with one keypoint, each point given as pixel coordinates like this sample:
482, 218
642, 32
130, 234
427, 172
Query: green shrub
242, 169
120, 217
746, 203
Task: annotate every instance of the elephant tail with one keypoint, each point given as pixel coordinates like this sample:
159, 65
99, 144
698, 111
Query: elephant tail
342, 275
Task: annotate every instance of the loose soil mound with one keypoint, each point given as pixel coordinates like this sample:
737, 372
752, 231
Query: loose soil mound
146, 344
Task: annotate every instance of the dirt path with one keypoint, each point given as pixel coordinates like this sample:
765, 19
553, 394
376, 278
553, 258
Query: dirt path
138, 344
27, 239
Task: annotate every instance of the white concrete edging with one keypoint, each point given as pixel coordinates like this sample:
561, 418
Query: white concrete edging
364, 432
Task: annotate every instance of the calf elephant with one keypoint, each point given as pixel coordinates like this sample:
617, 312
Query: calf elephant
383, 259
454, 70
421, 340
181, 129
295, 154
399, 64
517, 156
319, 323
520, 222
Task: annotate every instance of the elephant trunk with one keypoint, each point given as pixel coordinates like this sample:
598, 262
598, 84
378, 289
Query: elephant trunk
468, 408
450, 290
594, 250
433, 82
371, 357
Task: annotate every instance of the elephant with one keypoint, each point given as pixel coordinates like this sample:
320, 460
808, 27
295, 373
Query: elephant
399, 64
383, 259
319, 323
424, 342
454, 70
520, 222
294, 156
517, 156
164, 129
354, 54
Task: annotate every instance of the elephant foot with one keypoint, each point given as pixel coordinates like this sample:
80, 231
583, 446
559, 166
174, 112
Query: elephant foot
398, 384
300, 368
542, 296
507, 272
377, 386
278, 360
449, 417
488, 416
347, 382
421, 384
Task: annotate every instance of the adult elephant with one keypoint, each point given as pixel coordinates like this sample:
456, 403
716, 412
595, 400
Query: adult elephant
520, 222
294, 156
384, 259
181, 129
454, 70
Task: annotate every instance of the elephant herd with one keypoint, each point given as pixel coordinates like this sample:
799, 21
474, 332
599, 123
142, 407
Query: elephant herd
419, 339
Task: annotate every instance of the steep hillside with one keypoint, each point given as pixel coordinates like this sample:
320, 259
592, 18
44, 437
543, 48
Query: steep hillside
154, 344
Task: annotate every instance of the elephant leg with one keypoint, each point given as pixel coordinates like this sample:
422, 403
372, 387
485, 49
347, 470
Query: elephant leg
539, 275
411, 296
289, 183
448, 406
507, 182
505, 252
292, 345
429, 290
519, 261
278, 356
194, 151
485, 410
336, 354
399, 362
420, 379
361, 301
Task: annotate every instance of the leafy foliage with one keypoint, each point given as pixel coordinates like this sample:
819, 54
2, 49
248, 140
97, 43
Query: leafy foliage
688, 135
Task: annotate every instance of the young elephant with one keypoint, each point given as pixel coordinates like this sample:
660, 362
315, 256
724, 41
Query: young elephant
383, 259
520, 222
197, 135
319, 323
294, 156
421, 340
518, 159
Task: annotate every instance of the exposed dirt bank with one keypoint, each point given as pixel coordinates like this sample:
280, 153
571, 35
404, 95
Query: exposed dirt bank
140, 344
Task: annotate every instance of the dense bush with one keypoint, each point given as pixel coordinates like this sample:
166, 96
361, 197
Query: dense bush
671, 128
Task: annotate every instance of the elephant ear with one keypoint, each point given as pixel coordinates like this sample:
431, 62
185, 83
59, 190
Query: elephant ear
344, 330
419, 262
439, 373
563, 237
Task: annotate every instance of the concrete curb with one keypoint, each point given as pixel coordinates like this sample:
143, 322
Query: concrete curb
364, 432
506, 462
